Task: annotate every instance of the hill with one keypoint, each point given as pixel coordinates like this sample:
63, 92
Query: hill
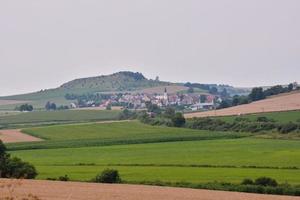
282, 102
117, 82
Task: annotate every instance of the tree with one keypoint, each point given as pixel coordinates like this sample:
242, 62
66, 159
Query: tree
108, 107
266, 181
178, 120
190, 90
213, 90
203, 98
225, 104
108, 176
169, 112
291, 87
24, 107
257, 94
224, 93
50, 106
153, 108
14, 167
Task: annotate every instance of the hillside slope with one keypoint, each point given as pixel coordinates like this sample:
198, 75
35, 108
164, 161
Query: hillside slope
117, 82
282, 102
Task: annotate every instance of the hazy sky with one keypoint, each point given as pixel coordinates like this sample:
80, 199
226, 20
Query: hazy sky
44, 43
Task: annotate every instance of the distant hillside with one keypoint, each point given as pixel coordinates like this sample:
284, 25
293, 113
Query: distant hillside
282, 102
121, 81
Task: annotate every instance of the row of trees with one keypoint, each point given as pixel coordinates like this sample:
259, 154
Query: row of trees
257, 93
24, 107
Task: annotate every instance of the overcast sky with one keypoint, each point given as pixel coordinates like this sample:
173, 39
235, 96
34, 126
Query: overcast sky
44, 43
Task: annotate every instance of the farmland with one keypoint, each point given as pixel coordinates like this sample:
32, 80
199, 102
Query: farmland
81, 135
283, 102
225, 160
55, 117
153, 153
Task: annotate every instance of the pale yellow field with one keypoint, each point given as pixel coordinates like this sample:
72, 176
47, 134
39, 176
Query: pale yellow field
55, 190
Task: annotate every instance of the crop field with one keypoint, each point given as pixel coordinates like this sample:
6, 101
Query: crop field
53, 117
283, 117
144, 153
278, 103
80, 135
228, 160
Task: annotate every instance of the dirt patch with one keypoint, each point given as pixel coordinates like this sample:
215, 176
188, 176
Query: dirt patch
279, 103
11, 102
15, 135
55, 190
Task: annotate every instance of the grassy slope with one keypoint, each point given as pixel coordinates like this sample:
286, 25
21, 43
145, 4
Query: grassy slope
65, 116
234, 152
283, 117
122, 81
113, 133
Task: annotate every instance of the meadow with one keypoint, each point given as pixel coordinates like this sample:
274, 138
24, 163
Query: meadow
91, 134
203, 161
152, 154
37, 118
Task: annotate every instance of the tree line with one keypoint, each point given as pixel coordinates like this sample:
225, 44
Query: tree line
256, 94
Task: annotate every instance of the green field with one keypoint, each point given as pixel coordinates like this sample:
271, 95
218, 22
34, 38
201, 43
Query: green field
283, 117
53, 117
81, 135
144, 153
175, 161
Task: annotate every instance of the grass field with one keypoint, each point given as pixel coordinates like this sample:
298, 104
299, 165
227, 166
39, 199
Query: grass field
81, 135
144, 153
52, 117
175, 161
283, 117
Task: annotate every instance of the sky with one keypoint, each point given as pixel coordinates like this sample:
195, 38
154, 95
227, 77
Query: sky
44, 43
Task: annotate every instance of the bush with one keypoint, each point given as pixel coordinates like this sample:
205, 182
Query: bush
14, 167
286, 128
264, 119
266, 181
247, 181
64, 178
108, 176
178, 120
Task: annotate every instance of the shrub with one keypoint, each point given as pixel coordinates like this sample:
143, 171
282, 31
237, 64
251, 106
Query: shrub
264, 119
108, 176
64, 178
286, 128
178, 120
14, 167
247, 181
266, 181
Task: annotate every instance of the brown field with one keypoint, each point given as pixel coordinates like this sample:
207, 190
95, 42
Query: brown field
14, 135
161, 89
55, 190
281, 102
11, 102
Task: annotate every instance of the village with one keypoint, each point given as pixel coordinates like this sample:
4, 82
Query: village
188, 101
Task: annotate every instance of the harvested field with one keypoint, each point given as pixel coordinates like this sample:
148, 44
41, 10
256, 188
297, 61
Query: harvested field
278, 103
15, 135
11, 102
54, 190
